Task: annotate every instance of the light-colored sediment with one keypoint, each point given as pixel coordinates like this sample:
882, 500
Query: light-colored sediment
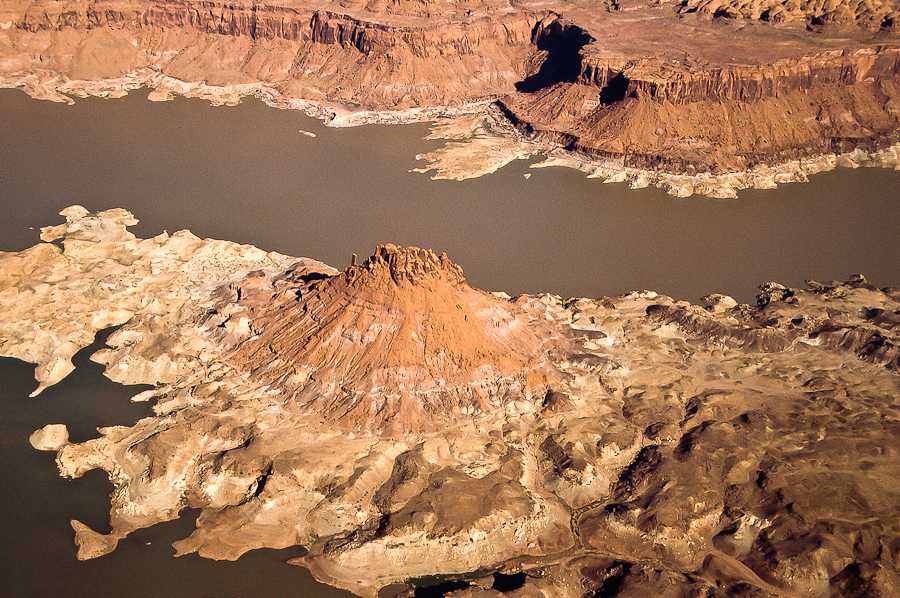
51, 437
725, 185
644, 446
182, 266
480, 144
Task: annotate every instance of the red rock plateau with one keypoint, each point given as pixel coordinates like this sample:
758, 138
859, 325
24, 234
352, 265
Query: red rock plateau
624, 447
398, 344
685, 87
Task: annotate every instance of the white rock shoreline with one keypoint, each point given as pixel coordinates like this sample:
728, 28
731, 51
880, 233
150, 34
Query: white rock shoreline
474, 149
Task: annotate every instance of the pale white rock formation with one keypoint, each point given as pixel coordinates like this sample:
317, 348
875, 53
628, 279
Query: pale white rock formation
51, 437
725, 185
53, 307
477, 145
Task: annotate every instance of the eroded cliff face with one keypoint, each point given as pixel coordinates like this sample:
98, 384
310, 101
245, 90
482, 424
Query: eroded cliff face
387, 57
683, 88
714, 96
397, 344
871, 14
721, 450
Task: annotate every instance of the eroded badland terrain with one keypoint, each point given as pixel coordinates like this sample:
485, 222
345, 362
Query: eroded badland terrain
693, 88
399, 423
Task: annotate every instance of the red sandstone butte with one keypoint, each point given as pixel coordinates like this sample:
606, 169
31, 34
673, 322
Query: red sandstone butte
398, 343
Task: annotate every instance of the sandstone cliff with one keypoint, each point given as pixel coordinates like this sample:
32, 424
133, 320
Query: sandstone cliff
713, 96
387, 58
679, 450
692, 87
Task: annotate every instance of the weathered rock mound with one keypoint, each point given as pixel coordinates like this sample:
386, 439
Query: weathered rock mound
399, 343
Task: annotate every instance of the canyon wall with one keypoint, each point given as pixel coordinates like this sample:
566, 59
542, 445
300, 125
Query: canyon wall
300, 51
299, 24
716, 95
680, 85
668, 87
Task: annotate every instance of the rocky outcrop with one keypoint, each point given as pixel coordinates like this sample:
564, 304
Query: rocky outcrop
664, 449
702, 112
51, 437
397, 344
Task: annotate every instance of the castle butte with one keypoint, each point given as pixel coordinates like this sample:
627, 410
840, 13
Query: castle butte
398, 344
685, 89
624, 447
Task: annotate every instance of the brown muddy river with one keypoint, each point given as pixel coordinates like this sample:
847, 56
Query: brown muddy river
248, 174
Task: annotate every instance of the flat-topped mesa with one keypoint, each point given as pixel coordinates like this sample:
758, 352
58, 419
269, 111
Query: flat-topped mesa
397, 344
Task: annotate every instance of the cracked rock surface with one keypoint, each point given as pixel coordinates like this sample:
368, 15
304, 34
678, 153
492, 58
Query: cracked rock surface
400, 424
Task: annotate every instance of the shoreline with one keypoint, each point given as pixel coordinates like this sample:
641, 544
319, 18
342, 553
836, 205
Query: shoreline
481, 146
632, 429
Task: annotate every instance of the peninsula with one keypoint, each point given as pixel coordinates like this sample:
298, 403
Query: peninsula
696, 96
400, 424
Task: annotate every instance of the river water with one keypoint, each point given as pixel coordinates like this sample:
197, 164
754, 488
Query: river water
248, 174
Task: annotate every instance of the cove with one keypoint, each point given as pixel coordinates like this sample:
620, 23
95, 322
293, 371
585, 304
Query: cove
39, 559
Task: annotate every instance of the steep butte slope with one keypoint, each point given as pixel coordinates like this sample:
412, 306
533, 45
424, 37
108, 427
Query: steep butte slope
399, 343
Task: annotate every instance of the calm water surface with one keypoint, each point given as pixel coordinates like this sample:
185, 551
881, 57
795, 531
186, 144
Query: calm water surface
247, 174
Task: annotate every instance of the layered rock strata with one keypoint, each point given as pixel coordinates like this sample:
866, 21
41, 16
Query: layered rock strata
721, 98
651, 447
686, 88
399, 343
373, 56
